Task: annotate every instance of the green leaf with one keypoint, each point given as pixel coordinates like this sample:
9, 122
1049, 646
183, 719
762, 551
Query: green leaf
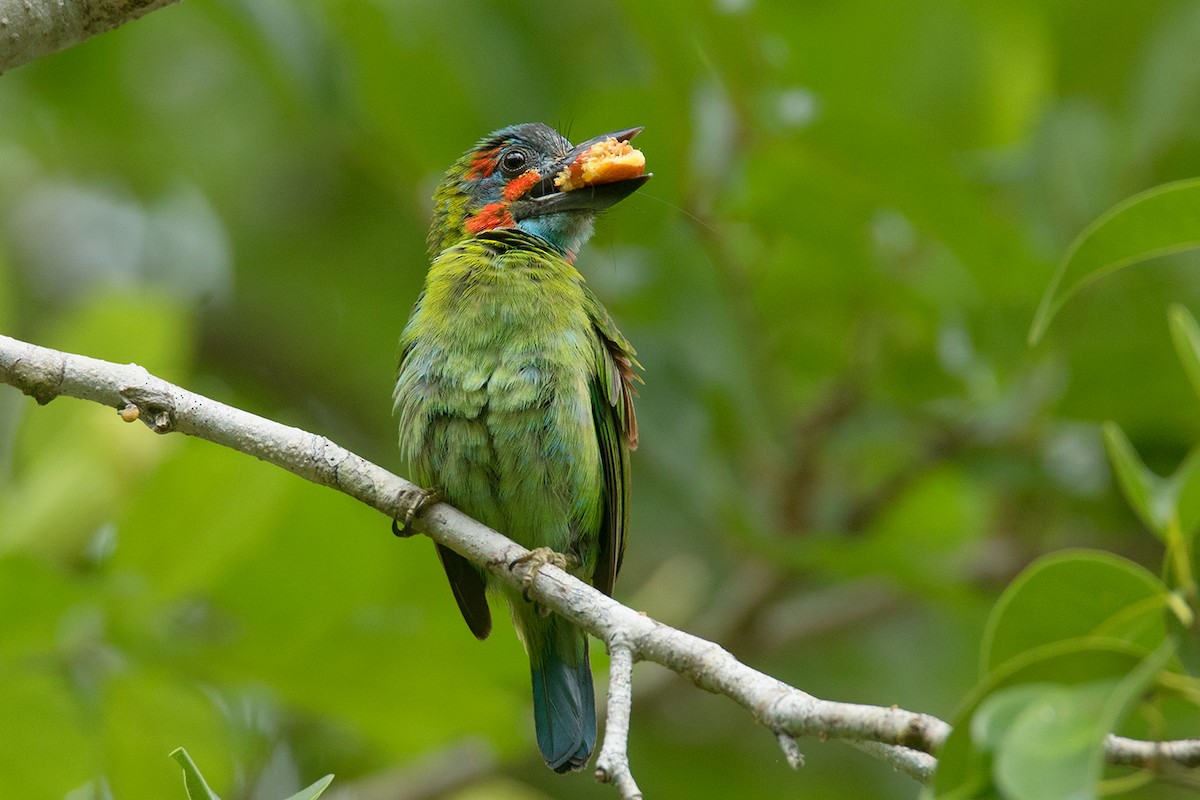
1157, 222
1186, 484
1092, 594
996, 715
1186, 630
964, 764
1160, 502
198, 789
1185, 334
1035, 727
1144, 490
92, 790
1054, 749
1048, 750
314, 791
193, 781
1139, 484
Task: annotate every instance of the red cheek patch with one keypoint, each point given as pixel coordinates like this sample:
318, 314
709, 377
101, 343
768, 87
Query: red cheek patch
519, 186
484, 164
493, 215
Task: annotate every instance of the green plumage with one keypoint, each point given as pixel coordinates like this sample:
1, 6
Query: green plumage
514, 398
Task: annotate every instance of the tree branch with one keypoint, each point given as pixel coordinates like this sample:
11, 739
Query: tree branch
1151, 755
612, 765
904, 739
30, 29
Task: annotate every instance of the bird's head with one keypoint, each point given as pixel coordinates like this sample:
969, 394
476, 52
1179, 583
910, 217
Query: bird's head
508, 180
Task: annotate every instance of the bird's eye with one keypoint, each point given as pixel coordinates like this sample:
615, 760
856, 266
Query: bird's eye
513, 161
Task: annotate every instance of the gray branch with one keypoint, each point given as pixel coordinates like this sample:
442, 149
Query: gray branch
612, 765
905, 739
31, 29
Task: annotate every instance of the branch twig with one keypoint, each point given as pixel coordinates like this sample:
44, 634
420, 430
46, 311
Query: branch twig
1137, 753
612, 765
905, 739
29, 30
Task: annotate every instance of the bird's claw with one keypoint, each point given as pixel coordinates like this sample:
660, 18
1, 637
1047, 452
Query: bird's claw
414, 501
537, 558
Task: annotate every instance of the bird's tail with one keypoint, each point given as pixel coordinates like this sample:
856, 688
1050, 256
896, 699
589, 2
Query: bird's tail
564, 704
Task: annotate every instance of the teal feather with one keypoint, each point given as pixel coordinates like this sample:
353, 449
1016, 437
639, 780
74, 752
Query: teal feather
564, 706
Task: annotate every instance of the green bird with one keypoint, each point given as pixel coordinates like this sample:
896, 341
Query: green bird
515, 395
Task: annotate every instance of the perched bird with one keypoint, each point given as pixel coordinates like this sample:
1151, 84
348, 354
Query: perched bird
515, 391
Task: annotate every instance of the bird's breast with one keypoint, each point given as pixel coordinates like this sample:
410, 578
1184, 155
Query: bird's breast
494, 394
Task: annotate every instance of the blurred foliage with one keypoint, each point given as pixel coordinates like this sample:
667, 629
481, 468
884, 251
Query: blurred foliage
198, 788
1157, 222
848, 448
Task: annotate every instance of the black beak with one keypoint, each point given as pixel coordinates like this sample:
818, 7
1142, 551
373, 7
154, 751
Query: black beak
545, 198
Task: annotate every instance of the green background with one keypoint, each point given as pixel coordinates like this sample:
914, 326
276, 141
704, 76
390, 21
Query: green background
848, 448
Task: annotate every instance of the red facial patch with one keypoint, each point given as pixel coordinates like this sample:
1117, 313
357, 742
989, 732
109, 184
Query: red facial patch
493, 215
519, 186
484, 164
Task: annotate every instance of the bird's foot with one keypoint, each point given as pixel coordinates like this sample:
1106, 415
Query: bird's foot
414, 501
537, 558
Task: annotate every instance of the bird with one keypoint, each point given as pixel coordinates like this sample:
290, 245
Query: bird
515, 392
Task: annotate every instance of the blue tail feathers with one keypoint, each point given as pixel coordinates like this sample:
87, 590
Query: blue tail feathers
564, 704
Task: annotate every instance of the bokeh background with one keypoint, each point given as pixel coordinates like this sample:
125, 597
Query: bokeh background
848, 447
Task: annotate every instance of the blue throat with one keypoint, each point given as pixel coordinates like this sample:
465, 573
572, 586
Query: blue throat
566, 231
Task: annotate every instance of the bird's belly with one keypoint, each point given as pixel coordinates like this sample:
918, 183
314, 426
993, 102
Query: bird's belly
513, 444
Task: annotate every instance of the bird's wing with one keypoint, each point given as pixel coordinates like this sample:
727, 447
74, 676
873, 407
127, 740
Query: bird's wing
469, 591
616, 433
465, 580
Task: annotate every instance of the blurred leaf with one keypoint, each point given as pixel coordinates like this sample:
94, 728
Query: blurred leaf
146, 709
314, 791
995, 716
227, 515
1054, 747
1049, 752
1073, 152
7, 295
1187, 634
92, 790
1056, 683
1092, 594
163, 340
75, 463
1186, 483
193, 781
924, 535
1157, 222
1165, 90
293, 590
47, 748
965, 765
34, 597
1164, 504
1185, 333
